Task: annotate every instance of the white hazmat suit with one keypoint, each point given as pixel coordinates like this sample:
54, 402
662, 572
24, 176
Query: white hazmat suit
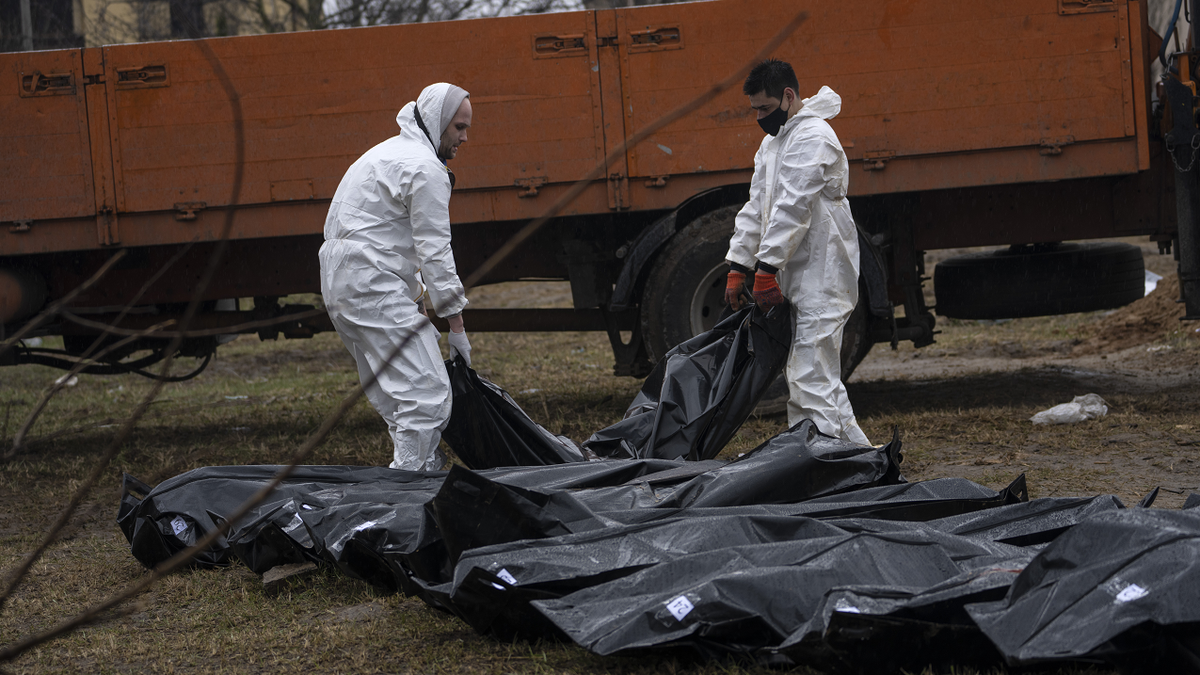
798, 220
388, 231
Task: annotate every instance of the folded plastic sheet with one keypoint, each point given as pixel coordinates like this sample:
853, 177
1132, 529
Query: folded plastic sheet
488, 429
1122, 587
702, 391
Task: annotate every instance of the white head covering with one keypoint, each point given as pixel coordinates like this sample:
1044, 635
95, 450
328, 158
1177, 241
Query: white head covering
437, 105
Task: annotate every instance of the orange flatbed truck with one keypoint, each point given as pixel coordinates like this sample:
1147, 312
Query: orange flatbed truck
1019, 124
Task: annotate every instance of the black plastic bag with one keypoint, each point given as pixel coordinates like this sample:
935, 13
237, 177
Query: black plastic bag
176, 513
474, 509
702, 391
1121, 587
743, 598
794, 466
488, 429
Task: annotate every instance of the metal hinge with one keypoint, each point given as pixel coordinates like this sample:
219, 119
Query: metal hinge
1054, 146
187, 210
657, 182
20, 226
609, 41
93, 79
531, 186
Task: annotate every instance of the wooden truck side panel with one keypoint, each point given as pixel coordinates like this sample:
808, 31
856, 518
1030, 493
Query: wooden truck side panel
935, 95
46, 171
138, 146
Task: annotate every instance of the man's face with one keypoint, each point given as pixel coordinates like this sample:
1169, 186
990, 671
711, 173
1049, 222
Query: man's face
765, 105
456, 132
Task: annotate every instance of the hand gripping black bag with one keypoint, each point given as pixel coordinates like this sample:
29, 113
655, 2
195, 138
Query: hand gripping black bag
488, 429
702, 391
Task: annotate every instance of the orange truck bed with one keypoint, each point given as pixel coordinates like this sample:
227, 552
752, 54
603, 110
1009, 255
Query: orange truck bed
147, 146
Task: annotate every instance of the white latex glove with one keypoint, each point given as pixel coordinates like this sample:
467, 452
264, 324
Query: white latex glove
459, 344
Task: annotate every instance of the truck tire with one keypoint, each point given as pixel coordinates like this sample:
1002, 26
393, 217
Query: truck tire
1039, 281
684, 296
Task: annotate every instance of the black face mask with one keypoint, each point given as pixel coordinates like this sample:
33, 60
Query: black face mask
774, 122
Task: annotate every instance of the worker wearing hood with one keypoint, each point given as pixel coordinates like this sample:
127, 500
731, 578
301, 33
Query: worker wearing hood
799, 236
387, 243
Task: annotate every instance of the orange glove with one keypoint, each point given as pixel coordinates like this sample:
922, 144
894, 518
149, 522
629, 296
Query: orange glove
734, 283
766, 291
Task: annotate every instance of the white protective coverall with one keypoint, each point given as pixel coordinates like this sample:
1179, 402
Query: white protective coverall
388, 229
798, 220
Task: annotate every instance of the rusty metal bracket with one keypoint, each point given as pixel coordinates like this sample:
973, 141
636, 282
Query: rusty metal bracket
1054, 146
20, 226
657, 182
549, 46
45, 84
187, 210
531, 185
143, 76
656, 38
877, 160
1085, 6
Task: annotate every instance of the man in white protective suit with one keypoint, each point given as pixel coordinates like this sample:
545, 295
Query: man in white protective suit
387, 241
799, 236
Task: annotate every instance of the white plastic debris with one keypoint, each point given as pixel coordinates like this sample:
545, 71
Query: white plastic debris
1152, 280
1086, 407
67, 381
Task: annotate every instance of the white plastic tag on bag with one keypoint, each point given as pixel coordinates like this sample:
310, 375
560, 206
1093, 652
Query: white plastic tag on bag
178, 524
1132, 592
680, 607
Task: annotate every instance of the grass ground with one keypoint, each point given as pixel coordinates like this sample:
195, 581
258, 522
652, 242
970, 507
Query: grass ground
259, 401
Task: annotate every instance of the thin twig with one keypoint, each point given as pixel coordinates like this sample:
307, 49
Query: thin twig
61, 302
96, 612
60, 383
126, 429
83, 363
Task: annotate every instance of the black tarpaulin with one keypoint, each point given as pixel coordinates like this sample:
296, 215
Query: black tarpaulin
702, 391
488, 429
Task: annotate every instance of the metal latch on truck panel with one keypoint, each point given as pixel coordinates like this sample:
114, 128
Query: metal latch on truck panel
1054, 146
655, 38
1085, 6
187, 210
142, 76
558, 45
531, 186
20, 226
876, 160
46, 84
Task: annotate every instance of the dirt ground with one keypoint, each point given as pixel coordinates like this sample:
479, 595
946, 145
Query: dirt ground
1141, 359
